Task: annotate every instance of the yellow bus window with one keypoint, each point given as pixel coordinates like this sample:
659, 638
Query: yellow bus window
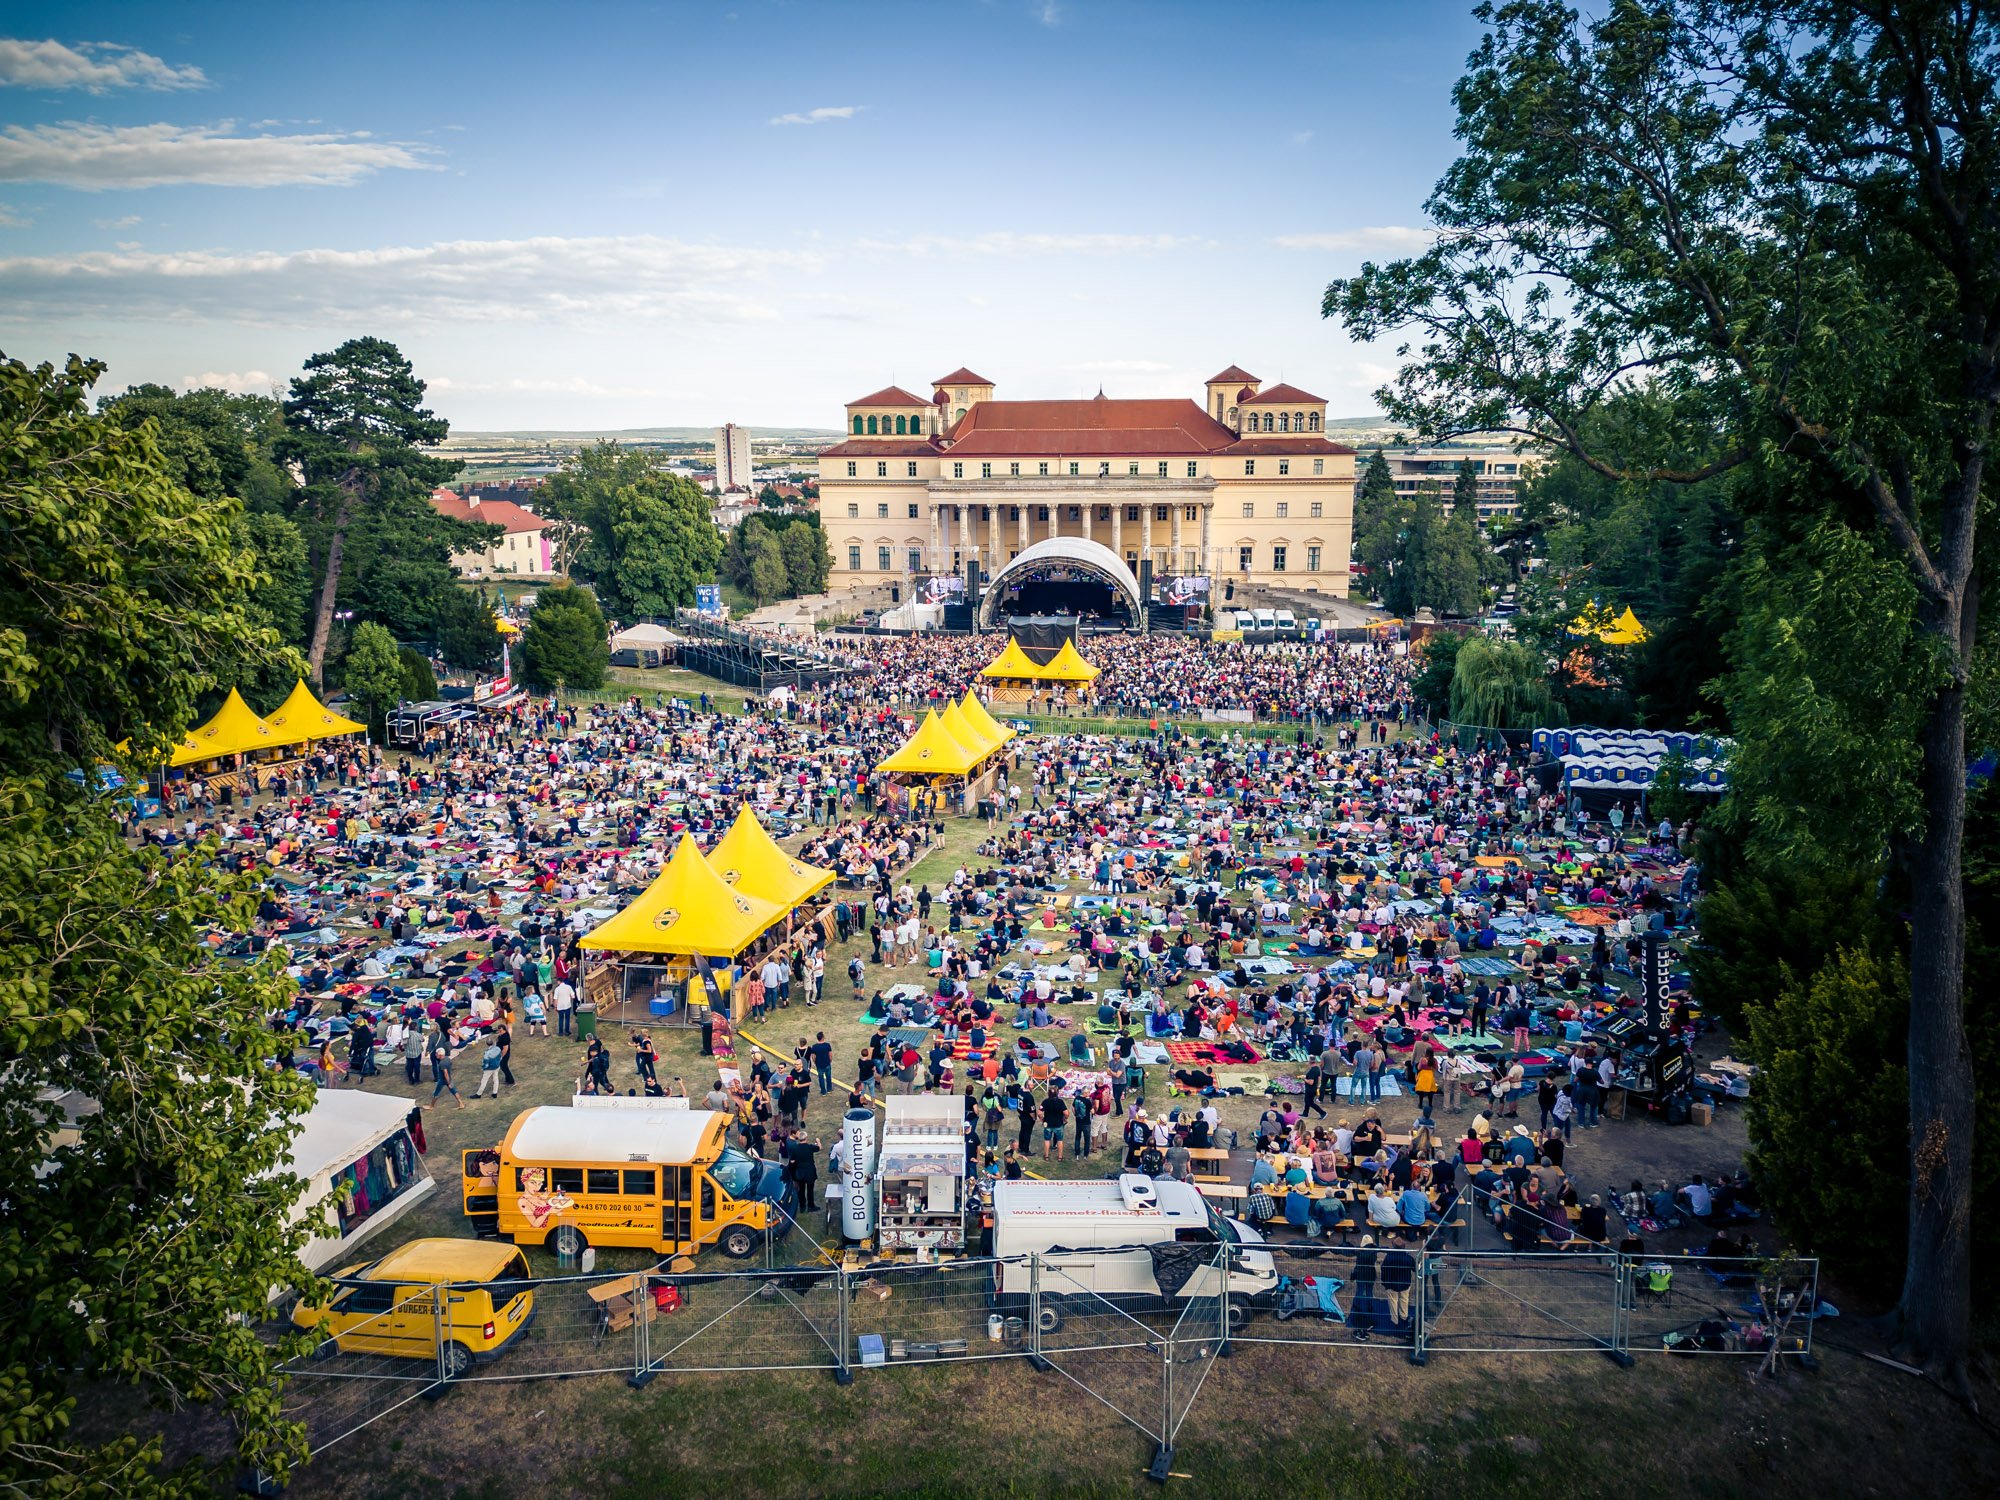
639, 1184
601, 1180
566, 1179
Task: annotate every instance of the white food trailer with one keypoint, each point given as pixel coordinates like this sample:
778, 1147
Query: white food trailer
920, 1180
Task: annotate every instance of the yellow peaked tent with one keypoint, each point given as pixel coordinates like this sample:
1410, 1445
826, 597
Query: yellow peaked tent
303, 717
749, 859
1600, 625
688, 909
1068, 666
968, 734
1013, 663
233, 730
932, 751
997, 734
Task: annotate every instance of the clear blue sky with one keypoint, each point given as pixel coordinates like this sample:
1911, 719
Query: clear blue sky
603, 216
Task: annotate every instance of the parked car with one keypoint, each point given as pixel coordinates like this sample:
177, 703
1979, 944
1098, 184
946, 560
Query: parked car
389, 1306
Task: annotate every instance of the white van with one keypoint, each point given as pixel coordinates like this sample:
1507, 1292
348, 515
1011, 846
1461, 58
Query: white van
1097, 1238
1267, 624
1288, 625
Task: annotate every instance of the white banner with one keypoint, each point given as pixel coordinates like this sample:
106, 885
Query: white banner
857, 1164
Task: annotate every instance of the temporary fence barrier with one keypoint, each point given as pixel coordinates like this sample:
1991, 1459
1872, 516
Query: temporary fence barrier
1147, 1361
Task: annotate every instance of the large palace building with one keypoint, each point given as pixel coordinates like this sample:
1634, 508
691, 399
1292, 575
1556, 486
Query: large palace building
1244, 486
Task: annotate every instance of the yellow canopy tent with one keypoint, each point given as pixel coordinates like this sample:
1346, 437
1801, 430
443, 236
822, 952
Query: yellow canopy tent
1013, 663
749, 859
932, 751
996, 733
1600, 625
689, 909
234, 730
1067, 665
303, 717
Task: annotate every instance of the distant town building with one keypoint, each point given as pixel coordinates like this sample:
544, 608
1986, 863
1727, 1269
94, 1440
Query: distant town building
524, 546
732, 458
1501, 471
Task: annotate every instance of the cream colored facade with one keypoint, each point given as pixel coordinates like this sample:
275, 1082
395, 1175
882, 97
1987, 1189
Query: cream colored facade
1198, 487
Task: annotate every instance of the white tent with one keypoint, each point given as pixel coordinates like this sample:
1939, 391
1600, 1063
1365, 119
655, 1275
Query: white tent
643, 638
346, 1127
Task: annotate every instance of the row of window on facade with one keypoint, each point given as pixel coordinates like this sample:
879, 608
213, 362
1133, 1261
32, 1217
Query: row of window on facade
1098, 512
1285, 421
1245, 559
1075, 469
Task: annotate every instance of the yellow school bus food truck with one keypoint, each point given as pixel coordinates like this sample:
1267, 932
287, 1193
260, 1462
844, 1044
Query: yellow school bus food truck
625, 1172
389, 1306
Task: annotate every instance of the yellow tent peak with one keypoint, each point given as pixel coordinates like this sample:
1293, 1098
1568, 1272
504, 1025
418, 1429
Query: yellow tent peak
964, 730
303, 717
234, 729
687, 909
749, 859
1013, 663
1068, 665
932, 750
996, 733
1598, 623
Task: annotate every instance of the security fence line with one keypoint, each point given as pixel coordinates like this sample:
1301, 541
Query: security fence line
1071, 1313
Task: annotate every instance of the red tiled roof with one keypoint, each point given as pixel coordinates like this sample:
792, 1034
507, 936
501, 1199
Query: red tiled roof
1234, 372
492, 512
1282, 443
892, 395
880, 447
961, 376
1096, 428
1284, 395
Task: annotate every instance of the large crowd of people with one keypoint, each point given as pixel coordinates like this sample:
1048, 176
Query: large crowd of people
1168, 950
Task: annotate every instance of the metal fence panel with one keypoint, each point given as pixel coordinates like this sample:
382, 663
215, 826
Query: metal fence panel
943, 1311
364, 1366
1698, 1304
1116, 1353
1502, 1303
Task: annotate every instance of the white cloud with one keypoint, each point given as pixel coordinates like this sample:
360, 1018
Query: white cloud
1380, 237
608, 280
258, 382
1012, 242
566, 385
96, 66
10, 218
1049, 13
126, 221
80, 155
1301, 137
1122, 367
817, 116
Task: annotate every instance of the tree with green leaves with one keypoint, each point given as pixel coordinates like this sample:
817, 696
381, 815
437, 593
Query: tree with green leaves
355, 424
639, 536
420, 683
1780, 212
807, 561
565, 644
143, 1252
372, 671
1498, 685
768, 576
467, 634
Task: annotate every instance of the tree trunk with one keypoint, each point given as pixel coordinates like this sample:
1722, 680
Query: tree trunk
1936, 1306
329, 584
